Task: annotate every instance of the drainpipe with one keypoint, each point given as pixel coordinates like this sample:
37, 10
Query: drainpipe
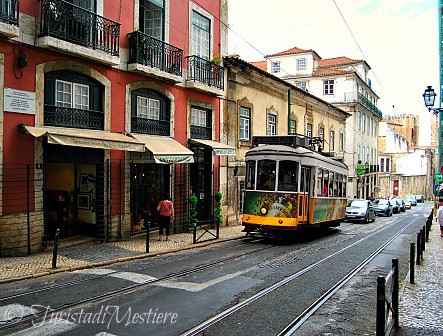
289, 111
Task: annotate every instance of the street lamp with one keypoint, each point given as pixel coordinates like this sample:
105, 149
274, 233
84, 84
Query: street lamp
429, 97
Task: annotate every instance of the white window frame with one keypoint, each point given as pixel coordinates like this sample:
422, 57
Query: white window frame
198, 117
192, 44
293, 127
148, 108
340, 142
72, 95
332, 141
275, 67
301, 64
301, 85
328, 87
358, 120
245, 123
309, 130
155, 22
272, 124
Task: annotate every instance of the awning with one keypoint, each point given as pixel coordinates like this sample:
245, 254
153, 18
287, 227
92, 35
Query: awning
218, 147
165, 149
86, 138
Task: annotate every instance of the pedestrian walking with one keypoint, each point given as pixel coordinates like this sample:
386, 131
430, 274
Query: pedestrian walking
166, 212
440, 218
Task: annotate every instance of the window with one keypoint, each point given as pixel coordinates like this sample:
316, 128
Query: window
328, 87
358, 152
309, 130
293, 127
287, 176
340, 142
250, 175
332, 141
245, 119
152, 20
275, 67
364, 123
359, 120
271, 124
387, 165
301, 85
382, 164
201, 28
148, 108
368, 128
198, 117
266, 175
301, 64
321, 133
72, 95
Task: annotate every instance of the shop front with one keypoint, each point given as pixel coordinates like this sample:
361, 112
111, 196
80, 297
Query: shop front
204, 177
161, 170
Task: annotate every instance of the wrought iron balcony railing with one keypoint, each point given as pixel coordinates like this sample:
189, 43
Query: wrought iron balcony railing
199, 132
369, 105
9, 10
357, 97
147, 50
68, 22
150, 126
205, 72
74, 118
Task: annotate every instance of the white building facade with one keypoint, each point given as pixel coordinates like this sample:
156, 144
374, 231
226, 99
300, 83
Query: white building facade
345, 83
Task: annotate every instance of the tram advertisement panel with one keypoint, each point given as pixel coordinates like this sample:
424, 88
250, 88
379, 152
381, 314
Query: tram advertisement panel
271, 204
326, 209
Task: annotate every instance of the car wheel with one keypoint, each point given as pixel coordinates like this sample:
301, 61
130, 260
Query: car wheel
390, 214
367, 219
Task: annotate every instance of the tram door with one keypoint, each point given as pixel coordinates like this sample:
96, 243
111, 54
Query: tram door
303, 196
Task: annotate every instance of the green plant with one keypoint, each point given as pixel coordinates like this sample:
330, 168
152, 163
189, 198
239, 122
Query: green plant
216, 60
193, 221
218, 211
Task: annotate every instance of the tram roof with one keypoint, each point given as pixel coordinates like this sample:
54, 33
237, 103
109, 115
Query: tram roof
306, 156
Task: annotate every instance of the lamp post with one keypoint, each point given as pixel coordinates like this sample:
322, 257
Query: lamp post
429, 99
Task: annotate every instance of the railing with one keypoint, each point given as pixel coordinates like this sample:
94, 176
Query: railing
150, 126
209, 228
75, 118
387, 303
200, 132
369, 105
205, 72
9, 11
146, 50
71, 23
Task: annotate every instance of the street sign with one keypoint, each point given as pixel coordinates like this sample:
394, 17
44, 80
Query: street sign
438, 177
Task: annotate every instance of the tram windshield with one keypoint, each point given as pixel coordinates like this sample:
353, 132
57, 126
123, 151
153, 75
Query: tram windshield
287, 176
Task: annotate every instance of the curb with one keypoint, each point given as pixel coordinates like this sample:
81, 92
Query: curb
113, 261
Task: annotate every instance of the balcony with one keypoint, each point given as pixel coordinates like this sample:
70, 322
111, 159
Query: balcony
150, 126
200, 132
356, 97
73, 118
74, 30
154, 58
205, 76
9, 18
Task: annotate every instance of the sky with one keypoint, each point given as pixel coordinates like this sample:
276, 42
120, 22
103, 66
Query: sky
397, 38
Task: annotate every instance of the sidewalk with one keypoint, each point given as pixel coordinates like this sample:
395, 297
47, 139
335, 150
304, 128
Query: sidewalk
421, 304
95, 255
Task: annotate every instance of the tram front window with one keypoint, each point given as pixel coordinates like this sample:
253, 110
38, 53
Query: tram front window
287, 176
266, 175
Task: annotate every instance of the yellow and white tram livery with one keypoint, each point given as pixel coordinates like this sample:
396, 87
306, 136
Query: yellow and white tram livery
288, 185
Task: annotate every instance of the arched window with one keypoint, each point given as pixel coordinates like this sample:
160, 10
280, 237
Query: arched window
150, 112
73, 100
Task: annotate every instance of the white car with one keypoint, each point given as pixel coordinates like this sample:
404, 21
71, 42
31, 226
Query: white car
407, 205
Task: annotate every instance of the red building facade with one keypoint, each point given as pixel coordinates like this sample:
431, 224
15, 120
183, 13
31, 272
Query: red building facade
105, 108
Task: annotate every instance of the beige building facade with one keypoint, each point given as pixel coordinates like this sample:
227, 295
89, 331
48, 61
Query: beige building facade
257, 104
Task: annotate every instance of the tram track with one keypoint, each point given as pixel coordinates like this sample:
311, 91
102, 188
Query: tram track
111, 294
304, 316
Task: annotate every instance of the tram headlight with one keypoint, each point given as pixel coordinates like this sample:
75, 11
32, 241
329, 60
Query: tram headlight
263, 211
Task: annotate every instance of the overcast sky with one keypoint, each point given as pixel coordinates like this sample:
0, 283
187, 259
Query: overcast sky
397, 38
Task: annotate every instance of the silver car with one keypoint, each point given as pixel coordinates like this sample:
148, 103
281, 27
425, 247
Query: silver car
411, 199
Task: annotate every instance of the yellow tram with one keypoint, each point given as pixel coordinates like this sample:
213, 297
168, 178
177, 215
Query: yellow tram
290, 185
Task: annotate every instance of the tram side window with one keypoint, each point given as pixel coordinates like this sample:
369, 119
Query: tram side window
266, 175
250, 175
319, 182
287, 176
325, 182
335, 185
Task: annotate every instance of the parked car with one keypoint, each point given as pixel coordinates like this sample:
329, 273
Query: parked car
395, 205
411, 199
420, 198
382, 207
407, 205
360, 210
402, 204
